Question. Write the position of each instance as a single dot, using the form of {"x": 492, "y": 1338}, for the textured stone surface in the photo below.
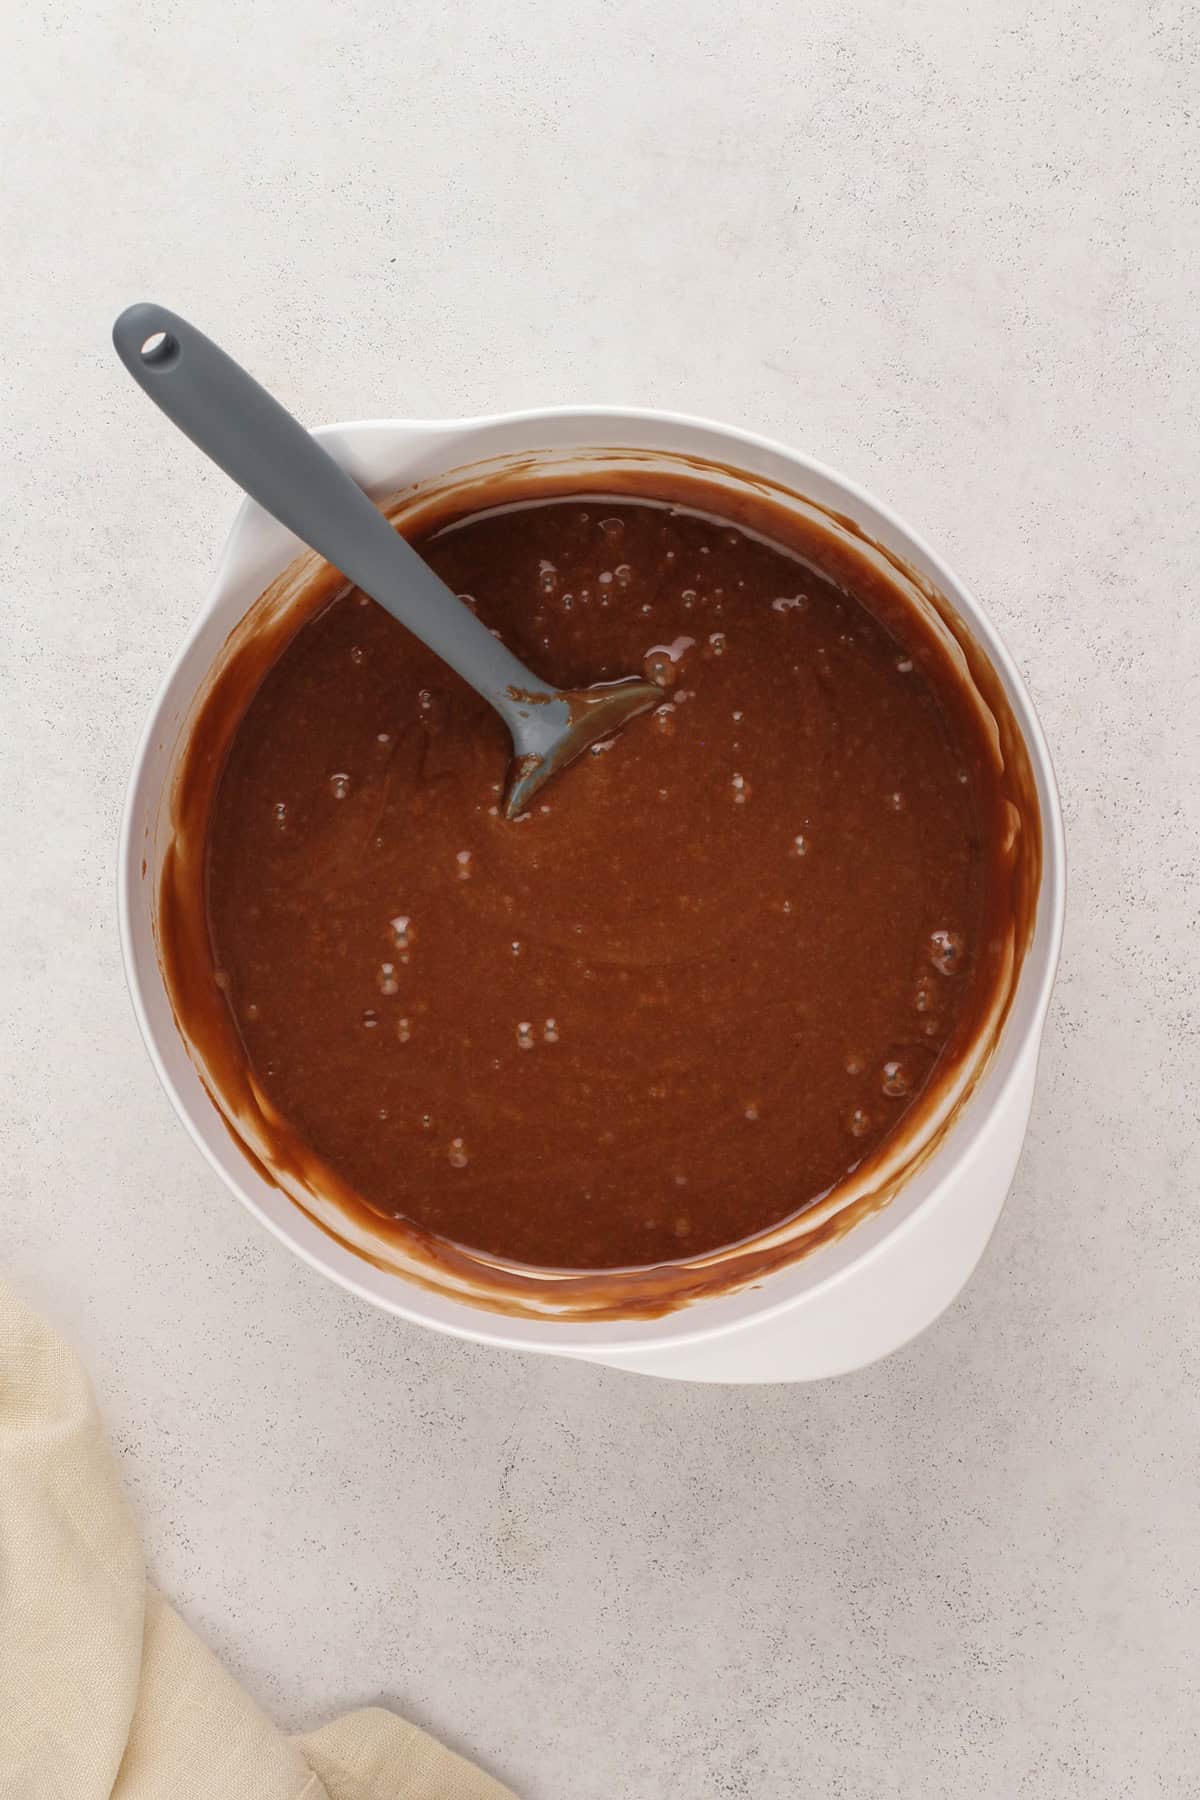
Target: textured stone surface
{"x": 944, "y": 247}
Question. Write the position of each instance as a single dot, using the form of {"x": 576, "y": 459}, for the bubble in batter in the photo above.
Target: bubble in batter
{"x": 896, "y": 1079}
{"x": 946, "y": 951}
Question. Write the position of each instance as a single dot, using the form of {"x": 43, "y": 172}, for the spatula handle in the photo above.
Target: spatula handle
{"x": 246, "y": 432}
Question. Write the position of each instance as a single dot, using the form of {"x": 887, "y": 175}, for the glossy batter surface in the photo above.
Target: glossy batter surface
{"x": 685, "y": 995}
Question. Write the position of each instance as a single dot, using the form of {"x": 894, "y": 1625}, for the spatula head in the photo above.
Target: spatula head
{"x": 574, "y": 720}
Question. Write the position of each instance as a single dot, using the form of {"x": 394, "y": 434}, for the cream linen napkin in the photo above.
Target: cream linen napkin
{"x": 104, "y": 1691}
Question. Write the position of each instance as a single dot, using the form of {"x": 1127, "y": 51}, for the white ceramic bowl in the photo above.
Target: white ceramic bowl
{"x": 843, "y": 1305}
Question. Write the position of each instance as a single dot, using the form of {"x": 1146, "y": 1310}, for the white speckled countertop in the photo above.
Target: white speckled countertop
{"x": 943, "y": 247}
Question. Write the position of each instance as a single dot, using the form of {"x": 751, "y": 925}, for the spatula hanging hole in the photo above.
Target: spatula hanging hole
{"x": 160, "y": 350}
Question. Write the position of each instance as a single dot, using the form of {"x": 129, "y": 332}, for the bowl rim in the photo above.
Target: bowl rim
{"x": 844, "y": 1258}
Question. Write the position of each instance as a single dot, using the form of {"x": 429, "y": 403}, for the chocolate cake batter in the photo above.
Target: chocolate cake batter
{"x": 694, "y": 987}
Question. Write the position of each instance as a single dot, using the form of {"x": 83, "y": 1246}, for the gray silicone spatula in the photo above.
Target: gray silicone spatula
{"x": 269, "y": 454}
